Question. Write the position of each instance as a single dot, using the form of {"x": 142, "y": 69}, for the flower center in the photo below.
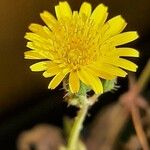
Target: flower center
{"x": 76, "y": 42}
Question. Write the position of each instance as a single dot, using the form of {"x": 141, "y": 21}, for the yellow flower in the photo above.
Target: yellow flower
{"x": 80, "y": 46}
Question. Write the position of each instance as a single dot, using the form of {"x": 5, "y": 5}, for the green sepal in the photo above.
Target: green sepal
{"x": 83, "y": 89}
{"x": 109, "y": 85}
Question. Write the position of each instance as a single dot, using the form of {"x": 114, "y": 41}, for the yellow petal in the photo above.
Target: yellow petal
{"x": 91, "y": 80}
{"x": 123, "y": 63}
{"x": 63, "y": 10}
{"x": 48, "y": 32}
{"x": 126, "y": 64}
{"x": 94, "y": 81}
{"x": 58, "y": 12}
{"x": 106, "y": 76}
{"x": 114, "y": 26}
{"x": 39, "y": 29}
{"x": 57, "y": 79}
{"x": 85, "y": 9}
{"x": 99, "y": 14}
{"x": 41, "y": 50}
{"x": 40, "y": 66}
{"x": 98, "y": 87}
{"x": 52, "y": 70}
{"x": 49, "y": 19}
{"x": 110, "y": 69}
{"x": 33, "y": 55}
{"x": 123, "y": 38}
{"x": 46, "y": 54}
{"x": 127, "y": 52}
{"x": 35, "y": 27}
{"x": 50, "y": 74}
{"x": 74, "y": 82}
{"x": 102, "y": 74}
{"x": 36, "y": 38}
{"x": 32, "y": 36}
{"x": 82, "y": 77}
{"x": 38, "y": 46}
{"x": 31, "y": 45}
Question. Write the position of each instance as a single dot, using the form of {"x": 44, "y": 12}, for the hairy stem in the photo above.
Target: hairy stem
{"x": 77, "y": 126}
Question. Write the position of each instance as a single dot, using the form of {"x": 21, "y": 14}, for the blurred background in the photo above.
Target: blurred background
{"x": 24, "y": 98}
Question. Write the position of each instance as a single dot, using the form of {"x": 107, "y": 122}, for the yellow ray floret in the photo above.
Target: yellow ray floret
{"x": 81, "y": 46}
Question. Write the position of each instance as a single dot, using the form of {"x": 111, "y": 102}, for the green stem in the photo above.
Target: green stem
{"x": 77, "y": 126}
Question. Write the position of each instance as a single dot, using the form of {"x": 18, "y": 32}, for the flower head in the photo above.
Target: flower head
{"x": 80, "y": 46}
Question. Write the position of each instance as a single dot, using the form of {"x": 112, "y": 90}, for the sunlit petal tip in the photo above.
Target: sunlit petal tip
{"x": 121, "y": 19}
{"x": 99, "y": 14}
{"x": 123, "y": 38}
{"x": 48, "y": 19}
{"x": 25, "y": 56}
{"x": 57, "y": 11}
{"x": 31, "y": 26}
{"x": 49, "y": 87}
{"x": 63, "y": 10}
{"x": 44, "y": 13}
{"x": 136, "y": 34}
{"x": 30, "y": 36}
{"x": 26, "y": 36}
{"x": 34, "y": 27}
{"x": 28, "y": 44}
{"x": 126, "y": 64}
{"x": 85, "y": 9}
{"x": 103, "y": 6}
{"x": 125, "y": 75}
{"x": 32, "y": 55}
{"x": 45, "y": 74}
{"x": 136, "y": 67}
{"x": 99, "y": 91}
{"x": 86, "y": 4}
{"x": 109, "y": 29}
{"x": 64, "y": 3}
{"x": 137, "y": 54}
{"x": 127, "y": 52}
{"x": 31, "y": 68}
